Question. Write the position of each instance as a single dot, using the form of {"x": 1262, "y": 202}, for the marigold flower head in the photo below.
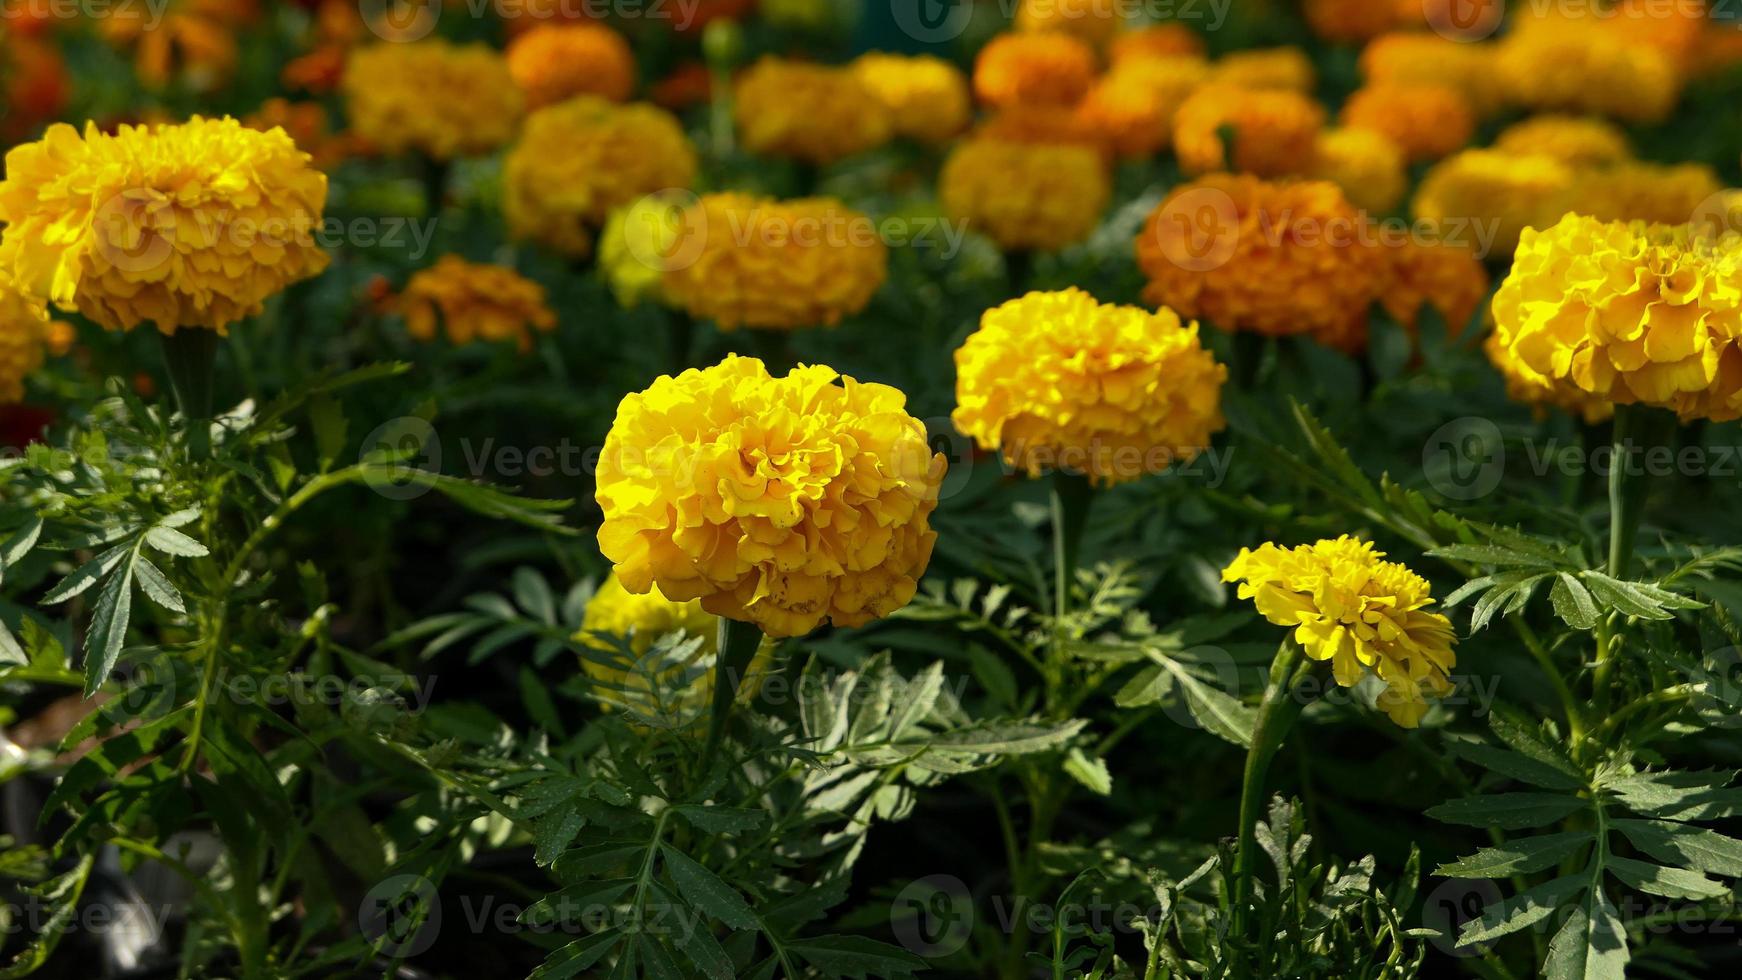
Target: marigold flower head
{"x": 1042, "y": 125}
{"x": 1055, "y": 380}
{"x": 189, "y": 225}
{"x": 638, "y": 242}
{"x": 1446, "y": 276}
{"x": 1170, "y": 39}
{"x": 1288, "y": 69}
{"x": 1364, "y": 615}
{"x": 1429, "y": 59}
{"x": 1530, "y": 388}
{"x": 1628, "y": 312}
{"x": 1503, "y": 192}
{"x": 190, "y": 40}
{"x": 1096, "y": 22}
{"x": 1658, "y": 193}
{"x": 785, "y": 502}
{"x": 474, "y": 301}
{"x": 556, "y": 61}
{"x": 775, "y": 265}
{"x": 1133, "y": 105}
{"x": 1349, "y": 21}
{"x": 578, "y": 160}
{"x": 1427, "y": 121}
{"x": 440, "y": 99}
{"x": 1274, "y": 130}
{"x": 1025, "y": 196}
{"x": 815, "y": 113}
{"x": 1034, "y": 69}
{"x": 24, "y": 333}
{"x": 927, "y": 97}
{"x": 1225, "y": 248}
{"x": 1369, "y": 168}
{"x": 1577, "y": 141}
{"x": 1580, "y": 65}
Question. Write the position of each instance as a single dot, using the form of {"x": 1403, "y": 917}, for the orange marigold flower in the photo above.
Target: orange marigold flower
{"x": 1429, "y": 59}
{"x": 689, "y": 84}
{"x": 1578, "y": 141}
{"x": 1427, "y": 121}
{"x": 815, "y": 113}
{"x": 34, "y": 79}
{"x": 1094, "y": 21}
{"x": 1034, "y": 69}
{"x": 1166, "y": 40}
{"x": 1349, "y": 21}
{"x": 1268, "y": 68}
{"x": 190, "y": 40}
{"x": 1038, "y": 125}
{"x": 1369, "y": 168}
{"x": 774, "y": 265}
{"x": 1025, "y": 196}
{"x": 437, "y": 98}
{"x": 1445, "y": 276}
{"x": 1501, "y": 193}
{"x": 1133, "y": 105}
{"x": 474, "y": 301}
{"x": 320, "y": 71}
{"x": 1460, "y": 21}
{"x": 1274, "y": 130}
{"x": 553, "y": 62}
{"x": 1632, "y": 191}
{"x": 927, "y": 97}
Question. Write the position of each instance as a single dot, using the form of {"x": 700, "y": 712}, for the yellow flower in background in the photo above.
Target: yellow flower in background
{"x": 927, "y": 97}
{"x": 1034, "y": 69}
{"x": 440, "y": 99}
{"x": 1274, "y": 130}
{"x": 1427, "y": 121}
{"x": 1348, "y": 21}
{"x": 557, "y": 61}
{"x": 1223, "y": 249}
{"x": 24, "y": 334}
{"x": 474, "y": 301}
{"x": 1530, "y": 388}
{"x": 1287, "y": 69}
{"x": 1133, "y": 105}
{"x": 785, "y": 502}
{"x": 1577, "y": 141}
{"x": 1369, "y": 168}
{"x": 1025, "y": 196}
{"x": 1656, "y": 193}
{"x": 638, "y": 242}
{"x": 1501, "y": 192}
{"x": 1094, "y": 21}
{"x": 1628, "y": 312}
{"x": 1580, "y": 64}
{"x": 814, "y": 113}
{"x": 1426, "y": 58}
{"x": 190, "y": 225}
{"x": 1170, "y": 39}
{"x": 1058, "y": 381}
{"x": 1345, "y": 604}
{"x": 576, "y": 161}
{"x": 746, "y": 261}
{"x": 1449, "y": 277}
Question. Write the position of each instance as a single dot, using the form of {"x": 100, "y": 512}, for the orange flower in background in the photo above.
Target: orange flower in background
{"x": 1034, "y": 69}
{"x": 1094, "y": 21}
{"x": 1428, "y": 59}
{"x": 474, "y": 301}
{"x": 1581, "y": 64}
{"x": 1676, "y": 29}
{"x": 1167, "y": 40}
{"x": 1446, "y": 276}
{"x": 320, "y": 71}
{"x": 1025, "y": 196}
{"x": 1427, "y": 121}
{"x": 689, "y": 84}
{"x": 1038, "y": 125}
{"x": 1578, "y": 141}
{"x": 1369, "y": 168}
{"x": 552, "y": 62}
{"x": 1349, "y": 21}
{"x": 190, "y": 40}
{"x": 815, "y": 113}
{"x": 1133, "y": 106}
{"x": 1272, "y": 68}
{"x": 35, "y": 81}
{"x": 1274, "y": 130}
{"x": 307, "y": 124}
{"x": 927, "y": 97}
{"x": 443, "y": 100}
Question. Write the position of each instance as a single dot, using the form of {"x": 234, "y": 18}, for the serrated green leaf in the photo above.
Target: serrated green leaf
{"x": 1522, "y": 911}
{"x": 1681, "y": 844}
{"x": 108, "y": 630}
{"x": 1655, "y": 879}
{"x": 855, "y": 956}
{"x": 1517, "y": 857}
{"x": 157, "y": 586}
{"x": 87, "y": 575}
{"x": 172, "y": 542}
{"x": 1679, "y": 795}
{"x": 720, "y": 819}
{"x": 1516, "y": 765}
{"x": 1591, "y": 944}
{"x": 1573, "y": 602}
{"x": 1508, "y": 811}
{"x": 706, "y": 891}
{"x": 1092, "y": 772}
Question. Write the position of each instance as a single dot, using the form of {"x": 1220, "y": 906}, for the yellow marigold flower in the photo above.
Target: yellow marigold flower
{"x": 1166, "y": 40}
{"x": 578, "y": 160}
{"x": 1427, "y": 121}
{"x": 927, "y": 97}
{"x": 1041, "y": 125}
{"x": 1288, "y": 69}
{"x": 1025, "y": 196}
{"x": 1274, "y": 130}
{"x": 1429, "y": 59}
{"x": 24, "y": 331}
{"x": 190, "y": 225}
{"x": 1348, "y": 21}
{"x": 1133, "y": 105}
{"x": 1057, "y": 381}
{"x": 785, "y": 502}
{"x": 1529, "y": 388}
{"x": 638, "y": 244}
{"x": 1629, "y": 313}
{"x": 1577, "y": 141}
{"x": 1504, "y": 192}
{"x": 1224, "y": 248}
{"x": 474, "y": 301}
{"x": 556, "y": 61}
{"x": 1448, "y": 277}
{"x": 775, "y": 265}
{"x": 437, "y": 98}
{"x": 1579, "y": 65}
{"x": 1645, "y": 191}
{"x": 1034, "y": 69}
{"x": 1094, "y": 21}
{"x": 815, "y": 113}
{"x": 1368, "y": 167}
{"x": 1362, "y": 614}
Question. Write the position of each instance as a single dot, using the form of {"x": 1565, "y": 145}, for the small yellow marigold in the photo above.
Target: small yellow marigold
{"x": 1446, "y": 276}
{"x": 1577, "y": 141}
{"x": 1427, "y": 121}
{"x": 1170, "y": 39}
{"x": 747, "y": 261}
{"x": 559, "y": 60}
{"x": 474, "y": 301}
{"x": 1650, "y": 192}
{"x": 927, "y": 97}
{"x": 1034, "y": 69}
{"x": 578, "y": 160}
{"x": 1094, "y": 21}
{"x": 1274, "y": 130}
{"x": 1288, "y": 69}
{"x": 1580, "y": 65}
{"x": 189, "y": 225}
{"x": 1025, "y": 196}
{"x": 814, "y": 113}
{"x": 24, "y": 333}
{"x": 1349, "y": 21}
{"x": 1057, "y": 381}
{"x": 1369, "y": 168}
{"x": 1274, "y": 258}
{"x": 1530, "y": 388}
{"x": 1428, "y": 59}
{"x": 785, "y": 502}
{"x": 440, "y": 99}
{"x": 1361, "y": 613}
{"x": 1629, "y": 313}
{"x": 1133, "y": 105}
{"x": 1502, "y": 193}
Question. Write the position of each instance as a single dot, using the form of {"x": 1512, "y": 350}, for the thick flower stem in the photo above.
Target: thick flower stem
{"x": 1276, "y": 715}
{"x": 1071, "y": 496}
{"x": 1638, "y": 430}
{"x": 738, "y": 644}
{"x": 189, "y": 354}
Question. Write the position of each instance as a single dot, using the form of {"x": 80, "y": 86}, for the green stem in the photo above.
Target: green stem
{"x": 1248, "y": 357}
{"x": 1072, "y": 494}
{"x": 1276, "y": 715}
{"x": 738, "y": 643}
{"x": 1638, "y": 430}
{"x": 189, "y": 354}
